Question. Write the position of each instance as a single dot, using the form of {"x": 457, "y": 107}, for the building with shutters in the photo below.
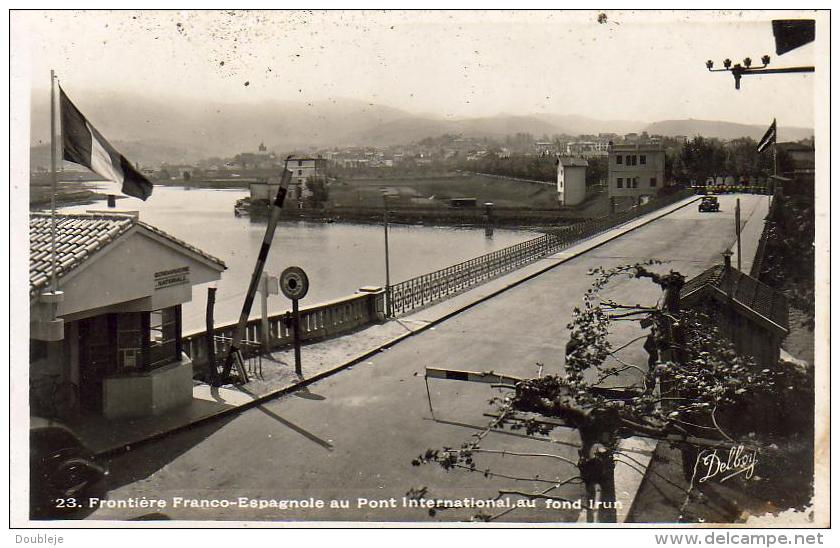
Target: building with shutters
{"x": 636, "y": 171}
{"x": 304, "y": 169}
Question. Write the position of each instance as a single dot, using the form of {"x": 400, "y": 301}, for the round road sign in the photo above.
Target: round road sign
{"x": 293, "y": 283}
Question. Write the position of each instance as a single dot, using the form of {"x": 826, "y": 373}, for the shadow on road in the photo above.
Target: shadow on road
{"x": 307, "y": 395}
{"x": 141, "y": 462}
{"x": 305, "y": 433}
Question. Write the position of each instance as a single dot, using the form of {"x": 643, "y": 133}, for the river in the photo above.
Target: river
{"x": 339, "y": 258}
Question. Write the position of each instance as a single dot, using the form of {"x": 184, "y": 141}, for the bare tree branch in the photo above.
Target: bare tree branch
{"x": 504, "y": 452}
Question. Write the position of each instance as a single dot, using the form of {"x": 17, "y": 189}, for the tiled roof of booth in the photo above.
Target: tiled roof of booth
{"x": 749, "y": 292}
{"x": 78, "y": 238}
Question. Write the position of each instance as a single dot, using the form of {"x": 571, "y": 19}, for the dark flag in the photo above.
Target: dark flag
{"x": 769, "y": 137}
{"x": 85, "y": 146}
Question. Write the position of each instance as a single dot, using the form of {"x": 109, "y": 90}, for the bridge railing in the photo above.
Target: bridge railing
{"x": 732, "y": 189}
{"x": 317, "y": 322}
{"x": 761, "y": 251}
{"x": 427, "y": 289}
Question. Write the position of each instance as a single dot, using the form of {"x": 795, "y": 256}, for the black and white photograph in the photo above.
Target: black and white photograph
{"x": 412, "y": 268}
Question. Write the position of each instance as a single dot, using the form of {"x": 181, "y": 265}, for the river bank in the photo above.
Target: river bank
{"x": 476, "y": 217}
{"x": 41, "y": 197}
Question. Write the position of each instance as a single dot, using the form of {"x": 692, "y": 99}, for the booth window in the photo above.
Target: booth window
{"x": 129, "y": 341}
{"x": 164, "y": 334}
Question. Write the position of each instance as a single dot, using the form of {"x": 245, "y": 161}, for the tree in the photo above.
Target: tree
{"x": 790, "y": 253}
{"x": 597, "y": 170}
{"x": 692, "y": 378}
{"x": 784, "y": 162}
{"x": 700, "y": 159}
{"x": 318, "y": 188}
{"x": 743, "y": 158}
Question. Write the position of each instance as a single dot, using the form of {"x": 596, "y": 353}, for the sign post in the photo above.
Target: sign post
{"x": 268, "y": 286}
{"x": 295, "y": 284}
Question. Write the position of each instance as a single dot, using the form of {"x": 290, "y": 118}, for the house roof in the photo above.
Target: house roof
{"x": 78, "y": 238}
{"x": 637, "y": 147}
{"x": 763, "y": 303}
{"x": 573, "y": 162}
{"x": 305, "y": 158}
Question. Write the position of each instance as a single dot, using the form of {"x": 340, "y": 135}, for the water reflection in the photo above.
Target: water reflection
{"x": 339, "y": 258}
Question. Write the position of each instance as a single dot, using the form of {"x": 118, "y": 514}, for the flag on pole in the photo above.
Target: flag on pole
{"x": 85, "y": 146}
{"x": 769, "y": 137}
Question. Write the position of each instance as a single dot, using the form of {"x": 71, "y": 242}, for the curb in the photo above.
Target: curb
{"x": 124, "y": 447}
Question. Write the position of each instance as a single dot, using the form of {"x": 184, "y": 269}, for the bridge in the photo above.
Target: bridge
{"x": 353, "y": 435}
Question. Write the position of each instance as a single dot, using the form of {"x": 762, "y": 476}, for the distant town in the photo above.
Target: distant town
{"x": 444, "y": 168}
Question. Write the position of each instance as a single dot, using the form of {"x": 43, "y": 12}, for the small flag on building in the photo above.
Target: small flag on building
{"x": 769, "y": 137}
{"x": 85, "y": 146}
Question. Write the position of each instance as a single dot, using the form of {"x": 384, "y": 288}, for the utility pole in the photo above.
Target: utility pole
{"x": 738, "y": 229}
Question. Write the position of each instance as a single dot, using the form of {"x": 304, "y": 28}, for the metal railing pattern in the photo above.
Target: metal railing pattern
{"x": 427, "y": 289}
{"x": 761, "y": 251}
{"x": 316, "y": 322}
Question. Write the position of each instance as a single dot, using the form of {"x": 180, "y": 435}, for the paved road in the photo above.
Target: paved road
{"x": 354, "y": 435}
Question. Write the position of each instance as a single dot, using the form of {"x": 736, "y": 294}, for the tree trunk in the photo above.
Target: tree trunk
{"x": 597, "y": 468}
{"x": 212, "y": 372}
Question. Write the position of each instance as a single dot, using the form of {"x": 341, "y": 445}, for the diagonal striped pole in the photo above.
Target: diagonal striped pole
{"x": 239, "y": 334}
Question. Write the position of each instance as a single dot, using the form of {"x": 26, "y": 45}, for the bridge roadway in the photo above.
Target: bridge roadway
{"x": 354, "y": 435}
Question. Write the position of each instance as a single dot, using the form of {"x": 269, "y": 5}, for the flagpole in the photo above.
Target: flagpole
{"x": 54, "y": 181}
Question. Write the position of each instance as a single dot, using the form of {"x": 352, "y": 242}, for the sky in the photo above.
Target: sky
{"x": 640, "y": 66}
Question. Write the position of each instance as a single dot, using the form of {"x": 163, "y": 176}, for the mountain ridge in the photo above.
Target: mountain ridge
{"x": 190, "y": 130}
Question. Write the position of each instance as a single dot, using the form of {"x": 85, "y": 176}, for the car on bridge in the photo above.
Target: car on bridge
{"x": 709, "y": 203}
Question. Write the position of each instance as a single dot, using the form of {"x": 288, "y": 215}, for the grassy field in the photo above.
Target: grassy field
{"x": 436, "y": 192}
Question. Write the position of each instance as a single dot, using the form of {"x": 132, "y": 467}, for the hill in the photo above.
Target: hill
{"x": 152, "y": 130}
{"x": 724, "y": 130}
{"x": 216, "y": 128}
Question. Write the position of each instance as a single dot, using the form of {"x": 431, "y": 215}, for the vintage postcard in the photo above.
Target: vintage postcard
{"x": 482, "y": 268}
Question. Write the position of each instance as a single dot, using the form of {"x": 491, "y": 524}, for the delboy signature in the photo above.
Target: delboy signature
{"x": 739, "y": 460}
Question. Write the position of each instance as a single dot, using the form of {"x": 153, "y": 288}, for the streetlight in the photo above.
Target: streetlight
{"x": 388, "y": 309}
{"x": 745, "y": 68}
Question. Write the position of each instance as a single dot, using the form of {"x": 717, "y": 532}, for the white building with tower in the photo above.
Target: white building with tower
{"x": 571, "y": 180}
